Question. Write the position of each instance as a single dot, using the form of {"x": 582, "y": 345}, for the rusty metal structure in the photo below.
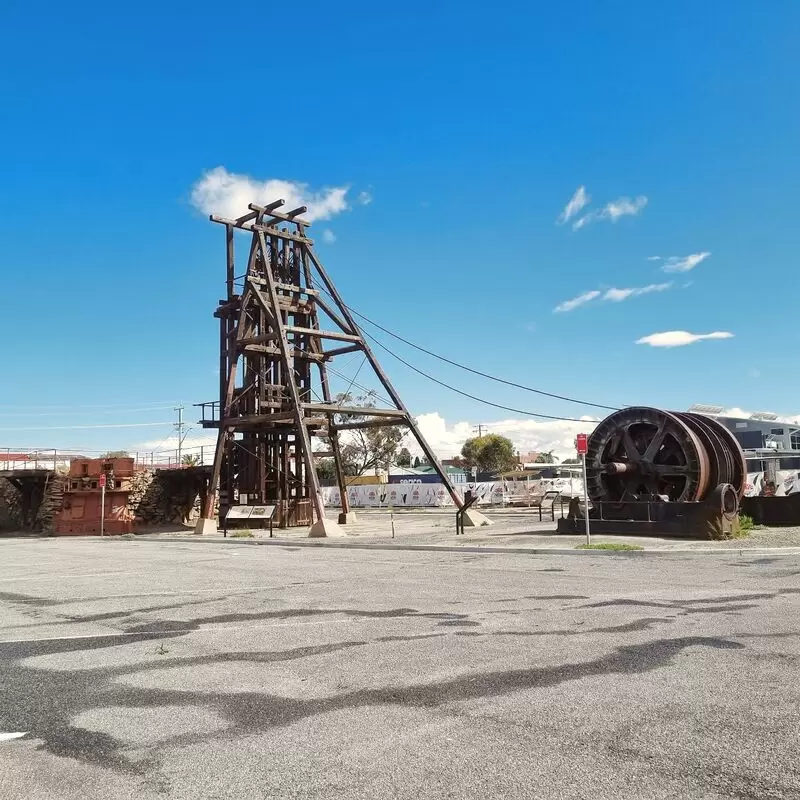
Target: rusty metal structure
{"x": 645, "y": 451}
{"x": 82, "y": 508}
{"x": 279, "y": 334}
{"x": 663, "y": 472}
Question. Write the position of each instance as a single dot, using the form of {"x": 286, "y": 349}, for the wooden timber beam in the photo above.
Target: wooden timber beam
{"x": 246, "y": 218}
{"x": 369, "y": 423}
{"x": 267, "y": 350}
{"x": 260, "y": 339}
{"x": 340, "y": 351}
{"x": 290, "y": 287}
{"x": 342, "y": 337}
{"x": 286, "y": 287}
{"x": 253, "y": 228}
{"x": 332, "y": 408}
{"x": 259, "y": 419}
{"x": 290, "y": 217}
{"x": 286, "y": 303}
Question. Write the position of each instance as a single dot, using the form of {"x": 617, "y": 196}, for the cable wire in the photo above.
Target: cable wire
{"x": 467, "y": 394}
{"x": 474, "y": 371}
{"x": 361, "y": 386}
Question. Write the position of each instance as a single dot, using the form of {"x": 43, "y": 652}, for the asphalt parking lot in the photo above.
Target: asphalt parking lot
{"x": 145, "y": 669}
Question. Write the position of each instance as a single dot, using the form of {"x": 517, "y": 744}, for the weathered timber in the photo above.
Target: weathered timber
{"x": 273, "y": 368}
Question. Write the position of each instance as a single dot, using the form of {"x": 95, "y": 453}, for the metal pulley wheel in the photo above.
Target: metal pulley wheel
{"x": 640, "y": 453}
{"x": 727, "y": 459}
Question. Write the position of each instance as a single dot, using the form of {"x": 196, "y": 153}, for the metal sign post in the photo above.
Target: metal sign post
{"x": 582, "y": 445}
{"x": 102, "y": 482}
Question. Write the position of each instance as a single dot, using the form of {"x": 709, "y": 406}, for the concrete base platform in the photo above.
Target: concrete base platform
{"x": 325, "y": 527}
{"x": 474, "y": 519}
{"x": 206, "y": 527}
{"x": 347, "y": 518}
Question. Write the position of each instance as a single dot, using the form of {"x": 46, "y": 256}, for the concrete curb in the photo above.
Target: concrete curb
{"x": 444, "y": 548}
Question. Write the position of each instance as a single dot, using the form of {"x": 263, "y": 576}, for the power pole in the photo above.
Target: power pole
{"x": 179, "y": 427}
{"x": 479, "y": 428}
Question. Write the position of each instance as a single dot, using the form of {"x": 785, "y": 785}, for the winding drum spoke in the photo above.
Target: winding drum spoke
{"x": 630, "y": 446}
{"x": 672, "y": 469}
{"x": 656, "y": 442}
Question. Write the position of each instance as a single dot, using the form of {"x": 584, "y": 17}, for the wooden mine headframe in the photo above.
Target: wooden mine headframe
{"x": 274, "y": 389}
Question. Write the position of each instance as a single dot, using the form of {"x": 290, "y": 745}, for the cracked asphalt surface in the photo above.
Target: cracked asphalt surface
{"x": 142, "y": 669}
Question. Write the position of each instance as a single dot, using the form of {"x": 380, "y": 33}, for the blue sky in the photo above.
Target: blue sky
{"x": 470, "y": 126}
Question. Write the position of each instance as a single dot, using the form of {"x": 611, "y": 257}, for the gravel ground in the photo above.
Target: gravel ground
{"x": 510, "y": 528}
{"x": 151, "y": 670}
{"x": 764, "y": 537}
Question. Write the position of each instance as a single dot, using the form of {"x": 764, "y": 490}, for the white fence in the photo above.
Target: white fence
{"x": 500, "y": 493}
{"x": 434, "y": 495}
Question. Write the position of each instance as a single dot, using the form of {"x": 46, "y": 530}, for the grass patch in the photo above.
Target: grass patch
{"x": 243, "y": 534}
{"x": 617, "y": 546}
{"x": 746, "y": 525}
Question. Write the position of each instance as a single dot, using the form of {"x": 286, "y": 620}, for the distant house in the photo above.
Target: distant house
{"x": 426, "y": 474}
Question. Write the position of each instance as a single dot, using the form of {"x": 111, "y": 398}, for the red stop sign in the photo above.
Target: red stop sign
{"x": 102, "y": 482}
{"x": 581, "y": 444}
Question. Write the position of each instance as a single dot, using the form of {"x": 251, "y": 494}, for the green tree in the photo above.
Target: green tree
{"x": 490, "y": 453}
{"x": 403, "y": 457}
{"x": 416, "y": 461}
{"x": 363, "y": 449}
{"x": 545, "y": 458}
{"x": 116, "y": 454}
{"x": 190, "y": 460}
{"x": 326, "y": 469}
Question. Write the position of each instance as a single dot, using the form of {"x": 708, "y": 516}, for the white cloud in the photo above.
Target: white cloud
{"x": 680, "y": 338}
{"x": 328, "y": 236}
{"x": 754, "y": 373}
{"x": 793, "y": 419}
{"x": 164, "y": 450}
{"x": 580, "y": 300}
{"x": 613, "y": 295}
{"x": 527, "y": 435}
{"x": 654, "y": 258}
{"x": 618, "y": 295}
{"x": 621, "y": 207}
{"x": 225, "y": 193}
{"x": 576, "y": 203}
{"x": 365, "y": 198}
{"x": 445, "y": 438}
{"x": 684, "y": 263}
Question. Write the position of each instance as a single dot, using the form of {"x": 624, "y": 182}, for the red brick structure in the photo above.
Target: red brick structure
{"x": 81, "y": 509}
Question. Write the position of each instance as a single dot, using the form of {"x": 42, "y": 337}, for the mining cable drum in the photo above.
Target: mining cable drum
{"x": 641, "y": 453}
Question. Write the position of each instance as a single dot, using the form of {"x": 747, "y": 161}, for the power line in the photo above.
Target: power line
{"x": 77, "y": 412}
{"x": 477, "y": 371}
{"x": 87, "y": 427}
{"x": 154, "y": 404}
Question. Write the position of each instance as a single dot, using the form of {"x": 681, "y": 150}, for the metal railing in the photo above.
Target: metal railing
{"x": 52, "y": 458}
